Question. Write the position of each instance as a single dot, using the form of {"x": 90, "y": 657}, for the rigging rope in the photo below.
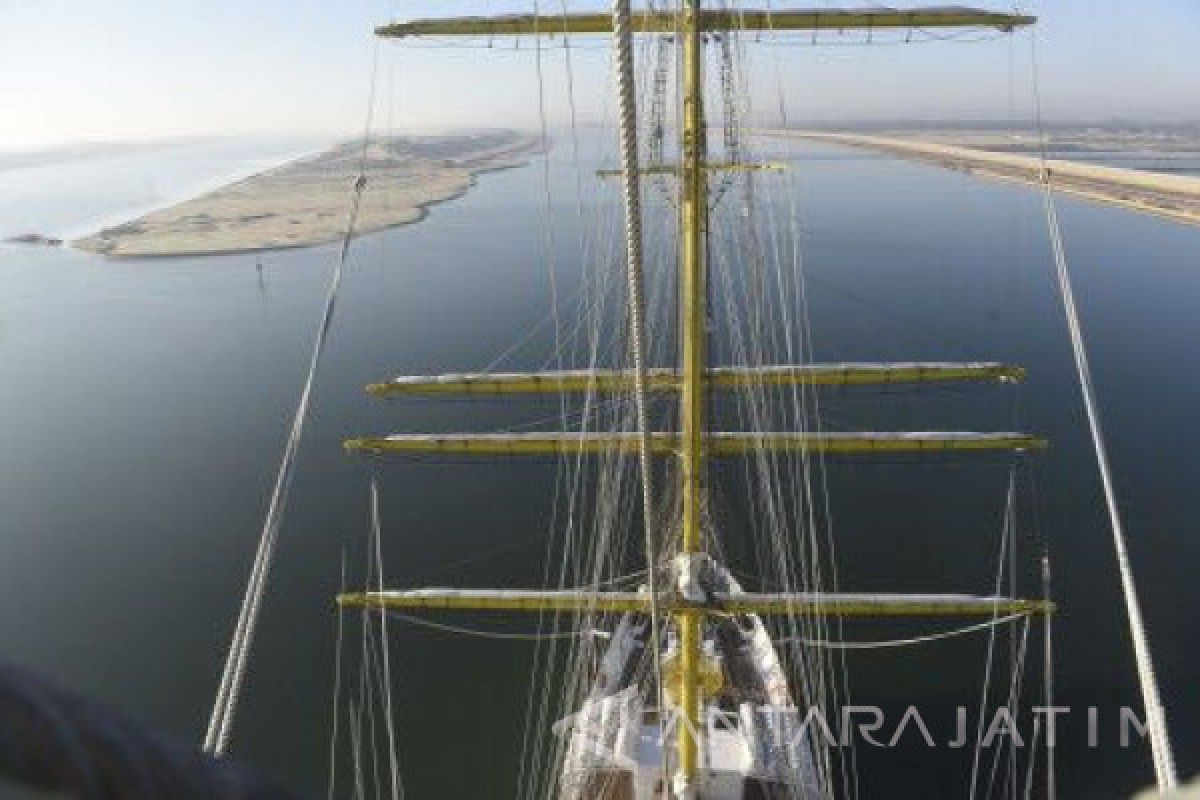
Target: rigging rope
{"x": 334, "y": 729}
{"x": 515, "y": 636}
{"x": 216, "y": 738}
{"x": 1006, "y": 543}
{"x": 631, "y": 189}
{"x": 731, "y": 138}
{"x": 1160, "y": 742}
{"x": 1048, "y": 680}
{"x": 932, "y": 637}
{"x": 657, "y": 107}
{"x": 377, "y": 536}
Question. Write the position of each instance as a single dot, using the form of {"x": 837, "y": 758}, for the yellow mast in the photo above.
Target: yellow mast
{"x": 693, "y": 214}
{"x": 693, "y": 377}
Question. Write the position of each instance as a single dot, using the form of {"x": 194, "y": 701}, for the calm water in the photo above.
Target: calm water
{"x": 144, "y": 405}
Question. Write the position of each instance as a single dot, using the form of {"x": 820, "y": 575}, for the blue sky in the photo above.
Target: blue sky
{"x": 135, "y": 69}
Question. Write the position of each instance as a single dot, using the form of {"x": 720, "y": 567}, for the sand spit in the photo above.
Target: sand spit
{"x": 306, "y": 202}
{"x": 1176, "y": 197}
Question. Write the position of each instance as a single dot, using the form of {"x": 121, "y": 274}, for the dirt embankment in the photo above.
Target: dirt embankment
{"x": 306, "y": 202}
{"x": 1173, "y": 196}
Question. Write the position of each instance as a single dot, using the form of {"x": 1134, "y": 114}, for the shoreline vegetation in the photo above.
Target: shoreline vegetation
{"x": 305, "y": 202}
{"x": 1175, "y": 197}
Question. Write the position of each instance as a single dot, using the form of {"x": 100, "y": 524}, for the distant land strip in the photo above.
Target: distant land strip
{"x": 306, "y": 202}
{"x": 1175, "y": 197}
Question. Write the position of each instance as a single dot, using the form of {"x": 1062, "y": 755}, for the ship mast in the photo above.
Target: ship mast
{"x": 691, "y": 445}
{"x": 693, "y": 314}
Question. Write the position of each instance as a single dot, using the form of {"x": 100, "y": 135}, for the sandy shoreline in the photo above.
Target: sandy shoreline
{"x": 1175, "y": 197}
{"x": 305, "y": 202}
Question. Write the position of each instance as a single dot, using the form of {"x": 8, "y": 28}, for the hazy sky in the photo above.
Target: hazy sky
{"x": 135, "y": 69}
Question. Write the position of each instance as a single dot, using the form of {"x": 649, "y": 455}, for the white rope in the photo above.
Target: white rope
{"x": 1006, "y": 535}
{"x": 1016, "y": 678}
{"x": 1160, "y": 743}
{"x": 376, "y": 534}
{"x": 356, "y": 733}
{"x": 634, "y": 256}
{"x": 216, "y": 739}
{"x": 447, "y": 628}
{"x": 220, "y": 723}
{"x": 1029, "y": 770}
{"x": 932, "y": 637}
{"x": 631, "y": 189}
{"x": 1156, "y": 724}
{"x": 1048, "y": 679}
{"x": 331, "y": 786}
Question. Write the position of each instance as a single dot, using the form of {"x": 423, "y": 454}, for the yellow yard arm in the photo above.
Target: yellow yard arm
{"x": 715, "y": 444}
{"x": 798, "y": 603}
{"x": 668, "y": 380}
{"x": 709, "y": 21}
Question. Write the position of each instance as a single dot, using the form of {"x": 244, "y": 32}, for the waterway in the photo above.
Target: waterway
{"x": 145, "y": 404}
